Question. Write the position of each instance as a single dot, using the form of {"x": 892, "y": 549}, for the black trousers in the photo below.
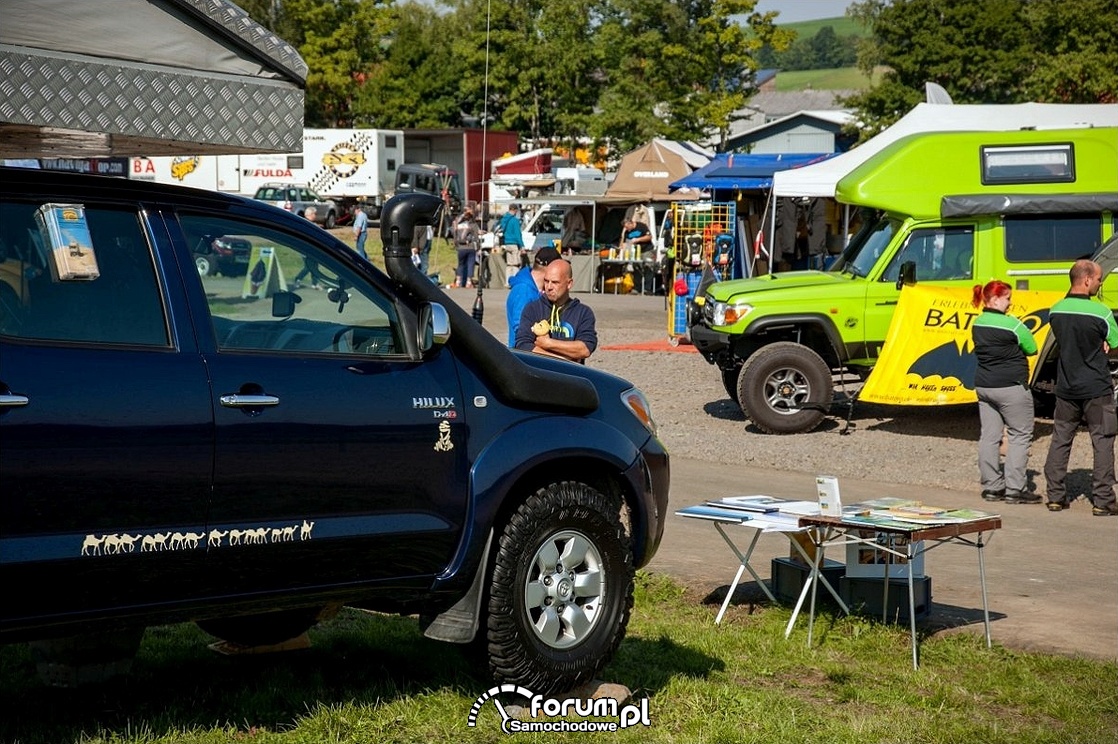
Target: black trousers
{"x": 1102, "y": 424}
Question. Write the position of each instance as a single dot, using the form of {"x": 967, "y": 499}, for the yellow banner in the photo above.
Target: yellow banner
{"x": 928, "y": 357}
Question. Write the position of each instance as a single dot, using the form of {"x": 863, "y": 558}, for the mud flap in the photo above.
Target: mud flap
{"x": 459, "y": 624}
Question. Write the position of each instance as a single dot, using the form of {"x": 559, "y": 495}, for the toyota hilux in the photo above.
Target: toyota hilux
{"x": 177, "y": 445}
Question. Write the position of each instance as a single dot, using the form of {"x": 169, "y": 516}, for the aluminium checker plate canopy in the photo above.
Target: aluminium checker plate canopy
{"x": 105, "y": 78}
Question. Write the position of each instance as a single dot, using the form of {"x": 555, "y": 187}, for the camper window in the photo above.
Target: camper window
{"x": 1060, "y": 238}
{"x": 1028, "y": 164}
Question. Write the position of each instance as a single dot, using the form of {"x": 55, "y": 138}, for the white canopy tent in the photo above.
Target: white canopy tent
{"x": 822, "y": 178}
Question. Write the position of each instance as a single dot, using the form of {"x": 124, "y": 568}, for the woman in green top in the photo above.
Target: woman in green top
{"x": 1001, "y": 343}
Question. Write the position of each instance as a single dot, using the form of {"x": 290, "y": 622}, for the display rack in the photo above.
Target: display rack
{"x": 702, "y": 235}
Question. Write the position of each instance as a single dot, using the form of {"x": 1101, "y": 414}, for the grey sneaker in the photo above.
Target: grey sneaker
{"x": 993, "y": 495}
{"x": 1022, "y": 497}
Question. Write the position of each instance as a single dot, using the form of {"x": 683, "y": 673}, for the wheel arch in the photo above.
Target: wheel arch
{"x": 814, "y": 330}
{"x": 499, "y": 490}
{"x": 592, "y": 452}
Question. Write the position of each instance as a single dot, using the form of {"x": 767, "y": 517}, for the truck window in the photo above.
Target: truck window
{"x": 122, "y": 305}
{"x": 338, "y": 312}
{"x": 866, "y": 248}
{"x": 939, "y": 254}
{"x": 1062, "y": 238}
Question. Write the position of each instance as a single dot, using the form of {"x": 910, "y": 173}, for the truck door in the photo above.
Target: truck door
{"x": 106, "y": 428}
{"x": 339, "y": 457}
{"x": 943, "y": 255}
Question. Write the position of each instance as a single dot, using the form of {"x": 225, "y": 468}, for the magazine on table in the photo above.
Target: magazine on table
{"x": 762, "y": 504}
{"x": 718, "y": 514}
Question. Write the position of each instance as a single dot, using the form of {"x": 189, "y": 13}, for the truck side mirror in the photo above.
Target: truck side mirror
{"x": 907, "y": 275}
{"x": 434, "y": 327}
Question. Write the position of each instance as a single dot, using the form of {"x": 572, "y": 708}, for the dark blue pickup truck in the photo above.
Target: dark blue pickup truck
{"x": 178, "y": 445}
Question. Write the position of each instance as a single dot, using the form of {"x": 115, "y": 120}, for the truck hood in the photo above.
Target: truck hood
{"x": 725, "y": 291}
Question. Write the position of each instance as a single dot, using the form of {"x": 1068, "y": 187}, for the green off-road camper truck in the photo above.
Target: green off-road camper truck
{"x": 949, "y": 209}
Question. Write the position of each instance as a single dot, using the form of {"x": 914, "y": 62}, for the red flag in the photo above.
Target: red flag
{"x": 759, "y": 245}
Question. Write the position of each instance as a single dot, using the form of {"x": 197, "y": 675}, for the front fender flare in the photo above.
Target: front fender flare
{"x": 822, "y": 322}
{"x": 527, "y": 447}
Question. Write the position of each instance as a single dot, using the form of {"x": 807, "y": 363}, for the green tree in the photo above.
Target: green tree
{"x": 985, "y": 51}
{"x": 800, "y": 55}
{"x": 678, "y": 69}
{"x": 339, "y": 40}
{"x": 416, "y": 83}
{"x": 1074, "y": 54}
{"x": 829, "y": 50}
{"x": 620, "y": 71}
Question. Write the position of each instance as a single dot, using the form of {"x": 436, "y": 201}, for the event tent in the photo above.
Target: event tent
{"x": 101, "y": 78}
{"x": 645, "y": 174}
{"x": 822, "y": 178}
{"x": 741, "y": 172}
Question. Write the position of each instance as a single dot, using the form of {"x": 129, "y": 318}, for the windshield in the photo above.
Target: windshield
{"x": 866, "y": 247}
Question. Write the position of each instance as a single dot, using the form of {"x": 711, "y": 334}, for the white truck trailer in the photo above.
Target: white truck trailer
{"x": 346, "y": 165}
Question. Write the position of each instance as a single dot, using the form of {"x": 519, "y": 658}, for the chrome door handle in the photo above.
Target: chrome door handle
{"x": 11, "y": 400}
{"x": 249, "y": 401}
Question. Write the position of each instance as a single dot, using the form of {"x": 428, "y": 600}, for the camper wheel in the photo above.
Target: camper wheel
{"x": 785, "y": 388}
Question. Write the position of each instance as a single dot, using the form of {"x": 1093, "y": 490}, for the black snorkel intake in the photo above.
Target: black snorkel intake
{"x": 514, "y": 382}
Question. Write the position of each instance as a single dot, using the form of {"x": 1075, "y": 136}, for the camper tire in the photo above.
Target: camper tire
{"x": 561, "y": 589}
{"x": 785, "y": 388}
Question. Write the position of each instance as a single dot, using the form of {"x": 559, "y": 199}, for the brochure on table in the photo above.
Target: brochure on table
{"x": 863, "y": 559}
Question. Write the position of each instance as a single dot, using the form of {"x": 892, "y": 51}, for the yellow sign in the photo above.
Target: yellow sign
{"x": 265, "y": 276}
{"x": 928, "y": 357}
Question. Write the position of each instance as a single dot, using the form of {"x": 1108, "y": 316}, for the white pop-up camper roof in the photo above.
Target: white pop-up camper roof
{"x": 822, "y": 178}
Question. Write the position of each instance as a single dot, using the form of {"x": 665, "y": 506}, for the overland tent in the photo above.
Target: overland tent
{"x": 101, "y": 78}
{"x": 822, "y": 178}
{"x": 645, "y": 174}
{"x": 738, "y": 172}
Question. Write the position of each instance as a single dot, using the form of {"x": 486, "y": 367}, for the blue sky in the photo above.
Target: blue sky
{"x": 804, "y": 10}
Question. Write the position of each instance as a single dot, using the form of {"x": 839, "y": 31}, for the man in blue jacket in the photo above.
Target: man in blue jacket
{"x": 1085, "y": 332}
{"x": 507, "y": 256}
{"x": 556, "y": 324}
{"x": 526, "y": 286}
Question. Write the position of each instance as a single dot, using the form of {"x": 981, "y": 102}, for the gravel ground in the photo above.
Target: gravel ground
{"x": 916, "y": 446}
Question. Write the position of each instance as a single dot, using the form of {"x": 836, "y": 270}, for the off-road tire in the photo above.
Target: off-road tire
{"x": 264, "y": 629}
{"x": 331, "y": 220}
{"x": 730, "y": 380}
{"x": 540, "y": 633}
{"x": 785, "y": 388}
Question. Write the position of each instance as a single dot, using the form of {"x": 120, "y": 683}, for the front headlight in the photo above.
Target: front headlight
{"x": 726, "y": 313}
{"x": 635, "y": 401}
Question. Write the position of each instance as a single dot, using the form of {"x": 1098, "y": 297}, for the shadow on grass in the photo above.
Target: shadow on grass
{"x": 178, "y": 684}
{"x": 749, "y": 596}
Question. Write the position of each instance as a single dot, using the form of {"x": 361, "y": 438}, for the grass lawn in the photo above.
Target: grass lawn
{"x": 841, "y": 78}
{"x": 374, "y": 678}
{"x": 842, "y": 26}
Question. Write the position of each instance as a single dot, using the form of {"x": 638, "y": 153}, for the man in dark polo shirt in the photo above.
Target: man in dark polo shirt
{"x": 1086, "y": 332}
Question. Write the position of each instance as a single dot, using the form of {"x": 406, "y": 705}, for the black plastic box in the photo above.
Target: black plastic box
{"x": 863, "y": 596}
{"x": 788, "y": 577}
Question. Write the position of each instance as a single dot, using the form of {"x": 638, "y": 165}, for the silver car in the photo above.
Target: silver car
{"x": 296, "y": 198}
